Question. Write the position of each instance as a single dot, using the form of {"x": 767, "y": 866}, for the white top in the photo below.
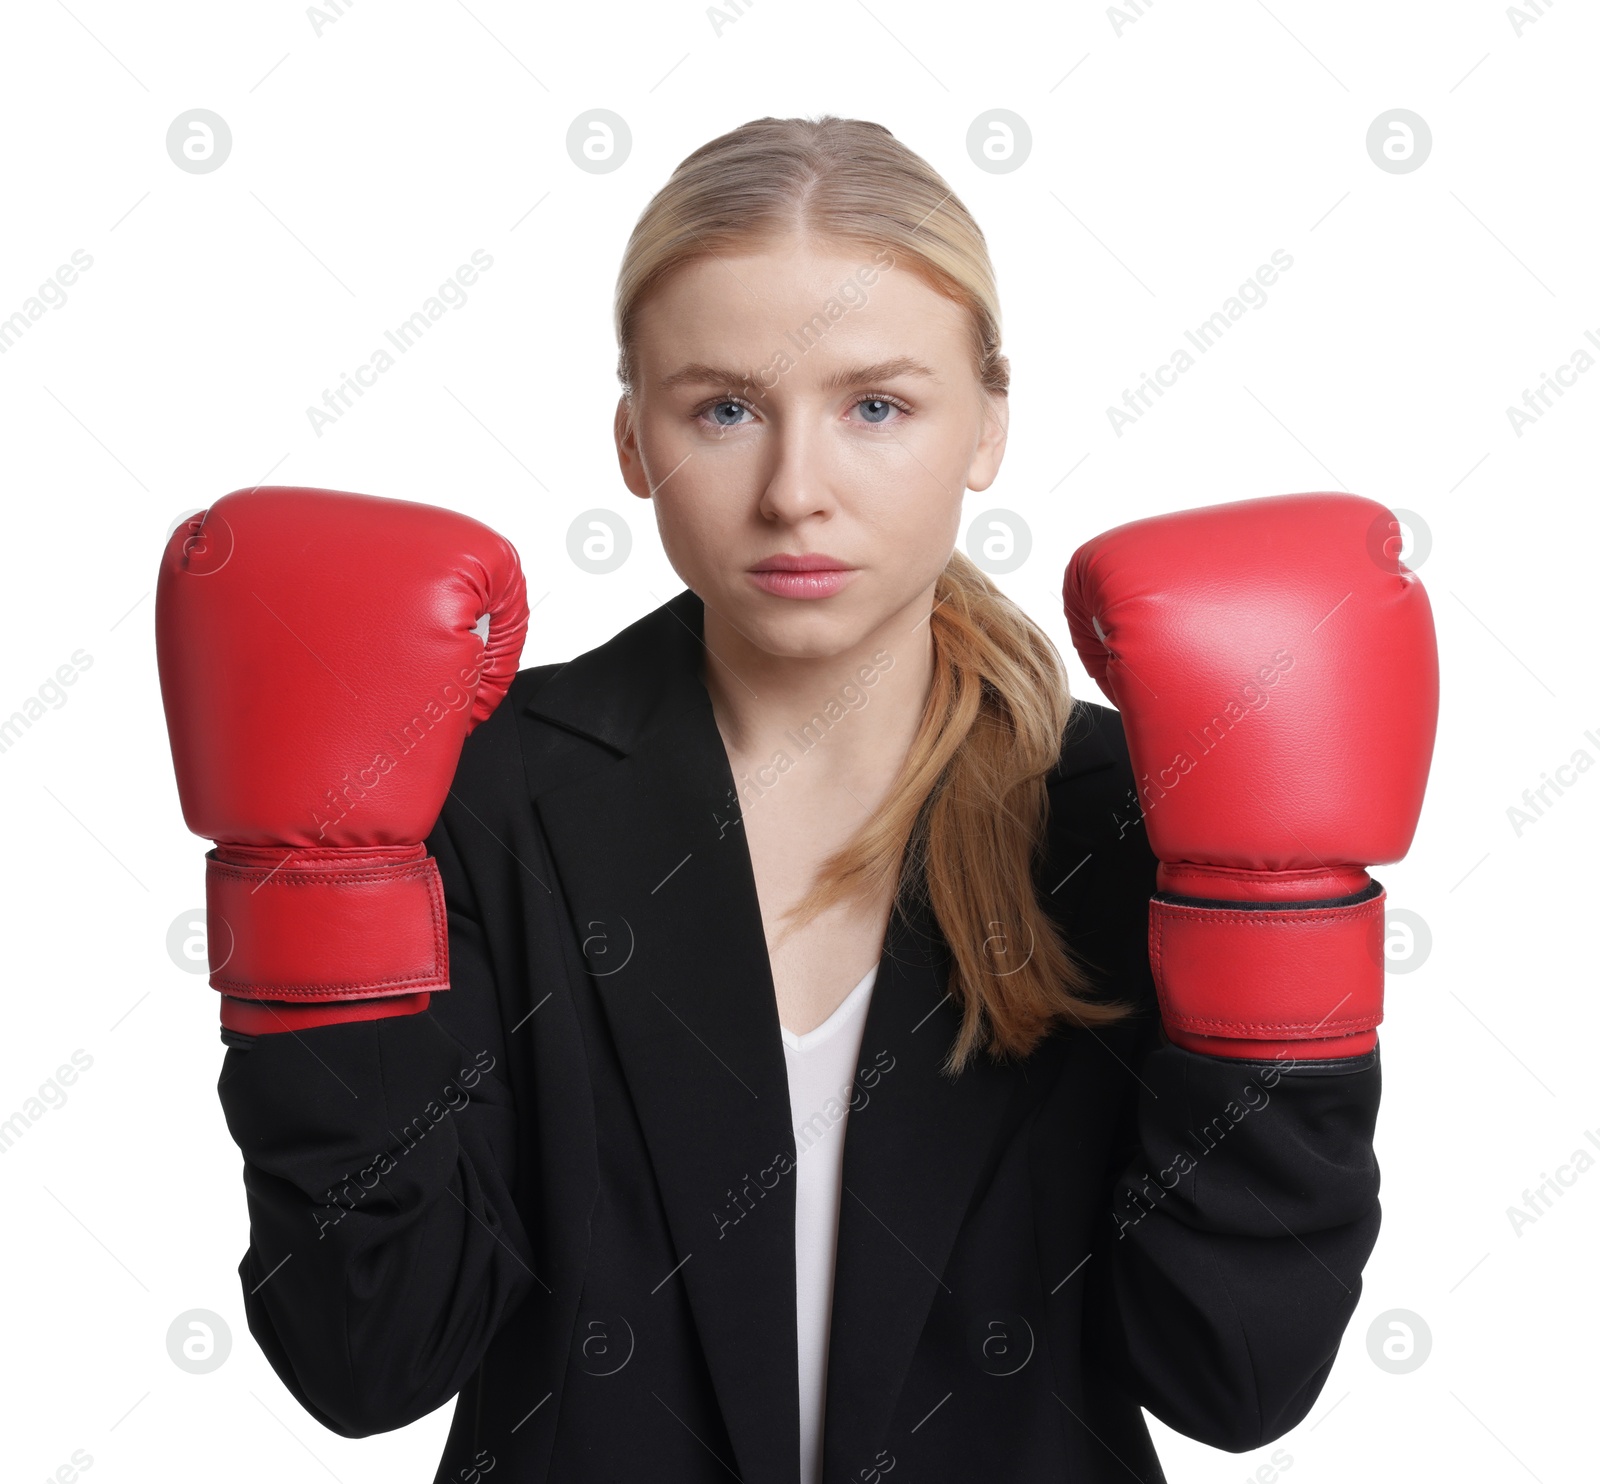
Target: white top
{"x": 822, "y": 1067}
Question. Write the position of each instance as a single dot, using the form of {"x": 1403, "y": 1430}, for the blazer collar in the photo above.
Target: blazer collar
{"x": 613, "y": 692}
{"x": 652, "y": 856}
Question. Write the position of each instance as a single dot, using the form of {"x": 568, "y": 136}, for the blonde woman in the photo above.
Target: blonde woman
{"x": 795, "y": 1040}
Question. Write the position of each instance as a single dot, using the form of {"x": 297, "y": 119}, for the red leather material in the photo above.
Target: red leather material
{"x": 323, "y": 657}
{"x": 320, "y": 666}
{"x": 1276, "y": 670}
{"x": 1290, "y": 974}
{"x": 1272, "y": 654}
{"x": 1228, "y": 883}
{"x": 269, "y": 1017}
{"x": 330, "y": 924}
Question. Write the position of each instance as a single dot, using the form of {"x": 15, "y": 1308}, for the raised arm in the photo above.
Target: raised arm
{"x": 1274, "y": 667}
{"x": 323, "y": 658}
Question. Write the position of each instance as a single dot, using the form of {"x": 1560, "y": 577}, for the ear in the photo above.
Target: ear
{"x": 628, "y": 456}
{"x": 991, "y": 445}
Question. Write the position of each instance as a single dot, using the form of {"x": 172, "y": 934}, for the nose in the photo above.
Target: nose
{"x": 798, "y": 482}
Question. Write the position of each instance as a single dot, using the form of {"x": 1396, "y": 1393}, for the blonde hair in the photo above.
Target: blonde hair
{"x": 964, "y": 823}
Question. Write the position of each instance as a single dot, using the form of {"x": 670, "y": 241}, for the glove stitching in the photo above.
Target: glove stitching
{"x": 1260, "y": 918}
{"x": 1187, "y": 1021}
{"x": 435, "y": 976}
{"x": 355, "y": 876}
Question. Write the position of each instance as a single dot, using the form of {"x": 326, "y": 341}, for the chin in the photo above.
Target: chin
{"x": 802, "y": 630}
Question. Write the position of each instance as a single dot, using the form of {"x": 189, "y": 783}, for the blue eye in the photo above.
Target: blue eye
{"x": 717, "y": 407}
{"x": 726, "y": 412}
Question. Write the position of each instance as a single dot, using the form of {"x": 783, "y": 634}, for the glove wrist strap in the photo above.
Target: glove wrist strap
{"x": 309, "y": 925}
{"x": 1248, "y": 980}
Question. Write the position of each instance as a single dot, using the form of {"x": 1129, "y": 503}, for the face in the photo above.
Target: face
{"x": 803, "y": 400}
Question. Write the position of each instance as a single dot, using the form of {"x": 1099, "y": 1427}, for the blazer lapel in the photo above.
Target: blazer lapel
{"x": 657, "y": 876}
{"x": 652, "y": 854}
{"x": 915, "y": 1145}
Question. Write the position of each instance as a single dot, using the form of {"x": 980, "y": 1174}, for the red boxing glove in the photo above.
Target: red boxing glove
{"x": 322, "y": 660}
{"x": 1276, "y": 671}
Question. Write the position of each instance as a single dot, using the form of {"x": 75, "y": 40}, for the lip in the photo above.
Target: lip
{"x": 812, "y": 561}
{"x": 806, "y": 575}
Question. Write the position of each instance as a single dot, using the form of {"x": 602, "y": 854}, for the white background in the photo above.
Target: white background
{"x": 1172, "y": 152}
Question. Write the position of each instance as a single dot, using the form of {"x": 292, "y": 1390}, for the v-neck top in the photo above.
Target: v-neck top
{"x": 822, "y": 1067}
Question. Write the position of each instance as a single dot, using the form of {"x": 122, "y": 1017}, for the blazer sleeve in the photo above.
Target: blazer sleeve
{"x": 379, "y": 1160}
{"x": 1243, "y": 1195}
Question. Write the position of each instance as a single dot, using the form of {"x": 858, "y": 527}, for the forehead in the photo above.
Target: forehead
{"x": 819, "y": 303}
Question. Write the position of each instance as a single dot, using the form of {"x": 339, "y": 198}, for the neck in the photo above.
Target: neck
{"x": 847, "y": 718}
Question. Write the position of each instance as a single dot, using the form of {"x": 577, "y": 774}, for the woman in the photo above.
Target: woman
{"x": 819, "y": 848}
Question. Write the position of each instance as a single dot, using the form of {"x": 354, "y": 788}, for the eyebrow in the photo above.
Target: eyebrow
{"x": 698, "y": 373}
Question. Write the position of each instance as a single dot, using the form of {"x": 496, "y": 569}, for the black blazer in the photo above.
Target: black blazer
{"x": 565, "y": 1191}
